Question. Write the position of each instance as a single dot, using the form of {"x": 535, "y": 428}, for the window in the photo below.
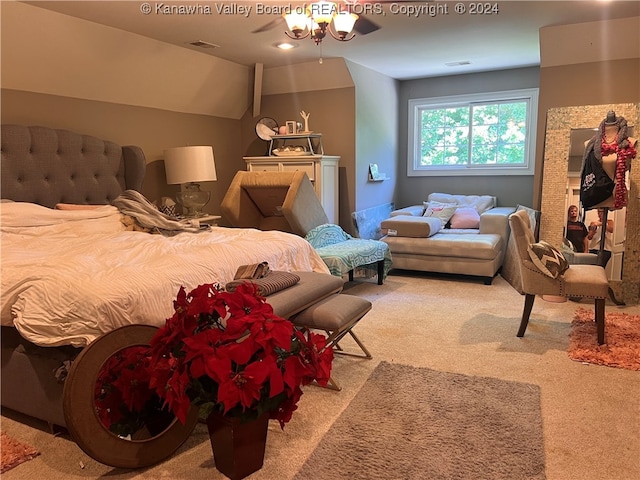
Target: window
{"x": 481, "y": 134}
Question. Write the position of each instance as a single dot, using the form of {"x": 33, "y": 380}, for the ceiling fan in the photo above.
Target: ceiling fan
{"x": 362, "y": 26}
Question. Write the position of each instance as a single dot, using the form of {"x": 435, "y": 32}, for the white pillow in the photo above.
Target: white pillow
{"x": 443, "y": 211}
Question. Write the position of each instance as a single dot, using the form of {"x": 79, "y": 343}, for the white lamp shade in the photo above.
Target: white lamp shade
{"x": 322, "y": 11}
{"x": 344, "y": 21}
{"x": 297, "y": 20}
{"x": 189, "y": 164}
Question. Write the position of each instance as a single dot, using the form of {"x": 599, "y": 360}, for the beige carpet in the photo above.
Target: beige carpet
{"x": 622, "y": 347}
{"x": 589, "y": 412}
{"x": 409, "y": 422}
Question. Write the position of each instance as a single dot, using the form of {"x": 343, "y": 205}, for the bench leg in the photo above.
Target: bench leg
{"x": 380, "y": 271}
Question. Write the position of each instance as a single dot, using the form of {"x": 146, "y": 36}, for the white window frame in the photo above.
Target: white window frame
{"x": 530, "y": 95}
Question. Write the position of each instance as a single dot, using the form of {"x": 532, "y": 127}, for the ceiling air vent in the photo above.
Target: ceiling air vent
{"x": 203, "y": 44}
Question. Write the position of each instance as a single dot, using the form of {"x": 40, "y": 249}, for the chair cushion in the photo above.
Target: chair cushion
{"x": 585, "y": 281}
{"x": 548, "y": 259}
{"x": 345, "y": 256}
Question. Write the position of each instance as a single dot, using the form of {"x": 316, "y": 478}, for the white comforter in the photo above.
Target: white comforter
{"x": 70, "y": 276}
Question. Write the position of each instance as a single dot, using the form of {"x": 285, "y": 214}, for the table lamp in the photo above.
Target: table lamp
{"x": 187, "y": 166}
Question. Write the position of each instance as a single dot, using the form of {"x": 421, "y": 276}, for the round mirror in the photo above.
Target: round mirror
{"x": 124, "y": 403}
{"x": 114, "y": 424}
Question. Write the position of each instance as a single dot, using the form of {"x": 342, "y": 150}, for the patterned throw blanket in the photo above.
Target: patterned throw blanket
{"x": 144, "y": 216}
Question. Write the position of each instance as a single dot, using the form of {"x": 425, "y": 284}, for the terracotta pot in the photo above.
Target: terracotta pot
{"x": 238, "y": 447}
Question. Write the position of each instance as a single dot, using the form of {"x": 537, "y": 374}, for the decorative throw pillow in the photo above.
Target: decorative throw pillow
{"x": 443, "y": 211}
{"x": 548, "y": 259}
{"x": 465, "y": 217}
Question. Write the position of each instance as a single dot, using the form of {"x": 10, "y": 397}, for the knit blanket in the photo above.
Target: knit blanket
{"x": 148, "y": 218}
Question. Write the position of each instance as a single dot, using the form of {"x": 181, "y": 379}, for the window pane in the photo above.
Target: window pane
{"x": 498, "y": 134}
{"x": 474, "y": 134}
{"x": 444, "y": 136}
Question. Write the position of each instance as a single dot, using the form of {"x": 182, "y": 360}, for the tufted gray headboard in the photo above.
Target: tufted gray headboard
{"x": 47, "y": 166}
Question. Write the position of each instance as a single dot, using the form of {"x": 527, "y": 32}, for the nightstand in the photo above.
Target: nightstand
{"x": 210, "y": 219}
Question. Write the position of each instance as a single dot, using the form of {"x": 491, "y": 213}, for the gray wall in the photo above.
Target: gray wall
{"x": 151, "y": 129}
{"x": 510, "y": 190}
{"x": 376, "y": 135}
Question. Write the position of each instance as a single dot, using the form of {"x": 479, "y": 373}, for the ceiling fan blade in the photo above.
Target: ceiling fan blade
{"x": 363, "y": 25}
{"x": 269, "y": 26}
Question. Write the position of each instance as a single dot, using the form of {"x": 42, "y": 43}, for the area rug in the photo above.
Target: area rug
{"x": 415, "y": 423}
{"x": 13, "y": 452}
{"x": 622, "y": 337}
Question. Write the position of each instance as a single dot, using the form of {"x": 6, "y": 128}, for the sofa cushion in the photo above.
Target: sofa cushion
{"x": 480, "y": 202}
{"x": 548, "y": 259}
{"x": 312, "y": 287}
{"x": 407, "y": 226}
{"x": 481, "y": 246}
{"x": 465, "y": 217}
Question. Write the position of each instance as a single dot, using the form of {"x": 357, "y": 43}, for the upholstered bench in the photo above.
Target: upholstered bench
{"x": 336, "y": 315}
{"x": 311, "y": 288}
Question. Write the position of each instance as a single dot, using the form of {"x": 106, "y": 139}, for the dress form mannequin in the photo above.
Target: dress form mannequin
{"x": 615, "y": 149}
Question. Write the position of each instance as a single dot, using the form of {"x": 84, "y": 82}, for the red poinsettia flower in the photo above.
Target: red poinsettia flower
{"x": 224, "y": 348}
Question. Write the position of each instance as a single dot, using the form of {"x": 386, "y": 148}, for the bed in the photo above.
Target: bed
{"x": 70, "y": 275}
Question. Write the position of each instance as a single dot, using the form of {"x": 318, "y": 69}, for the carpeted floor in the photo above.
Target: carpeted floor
{"x": 408, "y": 423}
{"x": 442, "y": 323}
{"x": 14, "y": 452}
{"x": 622, "y": 347}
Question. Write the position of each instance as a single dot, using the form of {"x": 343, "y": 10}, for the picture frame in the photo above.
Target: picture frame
{"x": 292, "y": 127}
{"x": 374, "y": 174}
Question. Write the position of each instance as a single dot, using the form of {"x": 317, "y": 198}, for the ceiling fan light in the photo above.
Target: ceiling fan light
{"x": 297, "y": 22}
{"x": 323, "y": 12}
{"x": 344, "y": 22}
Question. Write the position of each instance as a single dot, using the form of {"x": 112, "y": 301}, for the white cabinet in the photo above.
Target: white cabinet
{"x": 322, "y": 170}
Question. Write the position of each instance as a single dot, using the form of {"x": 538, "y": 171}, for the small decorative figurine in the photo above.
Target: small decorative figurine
{"x": 305, "y": 116}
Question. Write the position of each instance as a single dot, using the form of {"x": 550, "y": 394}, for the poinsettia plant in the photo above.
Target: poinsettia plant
{"x": 123, "y": 400}
{"x": 229, "y": 351}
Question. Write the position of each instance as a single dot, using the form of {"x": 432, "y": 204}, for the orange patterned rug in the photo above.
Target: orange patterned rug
{"x": 13, "y": 452}
{"x": 622, "y": 348}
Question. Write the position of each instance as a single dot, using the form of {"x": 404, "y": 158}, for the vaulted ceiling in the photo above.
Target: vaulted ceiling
{"x": 415, "y": 39}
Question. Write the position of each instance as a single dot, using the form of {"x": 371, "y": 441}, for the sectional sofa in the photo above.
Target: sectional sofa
{"x": 459, "y": 234}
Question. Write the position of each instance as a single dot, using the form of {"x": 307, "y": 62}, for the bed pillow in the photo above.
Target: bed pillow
{"x": 548, "y": 259}
{"x": 443, "y": 211}
{"x": 407, "y": 226}
{"x": 465, "y": 217}
{"x": 76, "y": 206}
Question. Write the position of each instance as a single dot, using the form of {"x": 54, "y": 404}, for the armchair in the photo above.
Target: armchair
{"x": 578, "y": 281}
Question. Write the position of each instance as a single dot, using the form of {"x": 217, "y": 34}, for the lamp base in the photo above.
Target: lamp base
{"x": 193, "y": 200}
